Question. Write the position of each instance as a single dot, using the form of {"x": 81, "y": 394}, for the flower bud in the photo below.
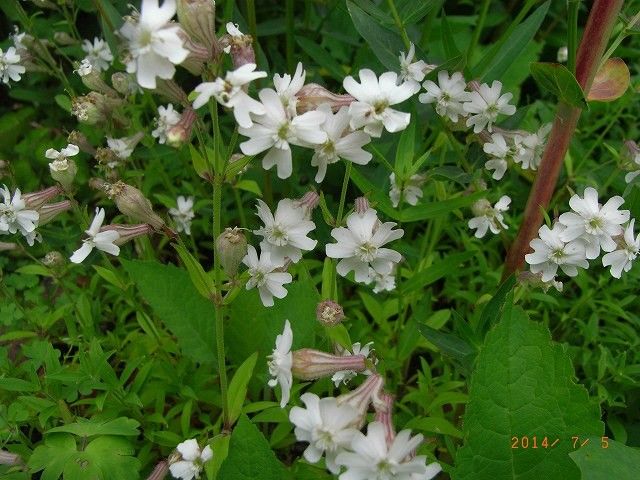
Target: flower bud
{"x": 53, "y": 259}
{"x": 63, "y": 171}
{"x": 172, "y": 92}
{"x": 128, "y": 232}
{"x": 312, "y": 95}
{"x": 231, "y": 246}
{"x": 11, "y": 459}
{"x": 240, "y": 46}
{"x": 95, "y": 108}
{"x": 198, "y": 55}
{"x": 180, "y": 133}
{"x": 49, "y": 212}
{"x": 92, "y": 79}
{"x": 309, "y": 364}
{"x": 308, "y": 202}
{"x": 360, "y": 398}
{"x": 132, "y": 203}
{"x": 6, "y": 246}
{"x": 35, "y": 200}
{"x": 630, "y": 151}
{"x": 79, "y": 139}
{"x": 481, "y": 207}
{"x": 160, "y": 471}
{"x": 197, "y": 18}
{"x": 361, "y": 205}
{"x": 64, "y": 39}
{"x": 124, "y": 83}
{"x": 329, "y": 313}
{"x": 384, "y": 413}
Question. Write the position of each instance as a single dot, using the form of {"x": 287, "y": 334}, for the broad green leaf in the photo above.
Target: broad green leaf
{"x": 220, "y": 447}
{"x": 250, "y": 456}
{"x": 558, "y": 80}
{"x": 176, "y": 302}
{"x": 495, "y": 62}
{"x": 203, "y": 282}
{"x": 238, "y": 386}
{"x": 523, "y": 385}
{"x": 615, "y": 461}
{"x": 435, "y": 272}
{"x": 88, "y": 428}
{"x": 321, "y": 57}
{"x": 610, "y": 82}
{"x": 385, "y": 44}
{"x": 491, "y": 311}
{"x": 249, "y": 186}
{"x": 449, "y": 344}
{"x": 17, "y": 385}
{"x": 110, "y": 276}
{"x": 52, "y": 456}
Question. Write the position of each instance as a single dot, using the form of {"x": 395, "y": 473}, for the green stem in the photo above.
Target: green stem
{"x": 399, "y": 24}
{"x": 241, "y": 214}
{"x": 621, "y": 36}
{"x": 251, "y": 19}
{"x": 572, "y": 34}
{"x": 479, "y": 26}
{"x": 343, "y": 192}
{"x": 290, "y": 32}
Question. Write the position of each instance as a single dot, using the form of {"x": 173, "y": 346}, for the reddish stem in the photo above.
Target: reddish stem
{"x": 594, "y": 42}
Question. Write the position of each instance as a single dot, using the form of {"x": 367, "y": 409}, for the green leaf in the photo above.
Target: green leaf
{"x": 176, "y": 302}
{"x": 250, "y": 456}
{"x": 88, "y": 428}
{"x": 451, "y": 50}
{"x": 435, "y": 272}
{"x": 491, "y": 311}
{"x": 17, "y": 385}
{"x": 558, "y": 80}
{"x": 616, "y": 461}
{"x": 203, "y": 282}
{"x": 451, "y": 172}
{"x": 249, "y": 186}
{"x": 321, "y": 57}
{"x": 449, "y": 344}
{"x": 406, "y": 150}
{"x": 611, "y": 81}
{"x": 497, "y": 61}
{"x": 52, "y": 456}
{"x": 110, "y": 276}
{"x": 385, "y": 44}
{"x": 434, "y": 425}
{"x": 200, "y": 164}
{"x": 238, "y": 386}
{"x": 63, "y": 102}
{"x": 523, "y": 385}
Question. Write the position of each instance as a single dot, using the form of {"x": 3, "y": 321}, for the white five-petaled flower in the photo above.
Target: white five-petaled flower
{"x": 10, "y": 68}
{"x": 155, "y": 45}
{"x": 534, "y": 147}
{"x": 326, "y": 426}
{"x": 166, "y": 119}
{"x": 593, "y": 223}
{"x": 230, "y": 93}
{"x": 622, "y": 258}
{"x": 411, "y": 71}
{"x": 344, "y": 376}
{"x": 359, "y": 246}
{"x": 485, "y": 104}
{"x": 288, "y": 86}
{"x": 123, "y": 147}
{"x": 502, "y": 152}
{"x": 383, "y": 282}
{"x": 341, "y": 142}
{"x": 448, "y": 95}
{"x": 374, "y": 98}
{"x": 60, "y": 157}
{"x": 285, "y": 231}
{"x": 15, "y": 216}
{"x": 98, "y": 53}
{"x": 183, "y": 215}
{"x": 410, "y": 190}
{"x": 488, "y": 217}
{"x": 373, "y": 459}
{"x": 193, "y": 460}
{"x": 275, "y": 131}
{"x": 104, "y": 241}
{"x": 265, "y": 275}
{"x": 280, "y": 363}
{"x": 551, "y": 252}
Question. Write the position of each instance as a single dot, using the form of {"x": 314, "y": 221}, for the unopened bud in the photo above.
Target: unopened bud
{"x": 384, "y": 413}
{"x": 91, "y": 78}
{"x": 52, "y": 210}
{"x": 64, "y": 39}
{"x": 53, "y": 259}
{"x": 35, "y": 200}
{"x": 481, "y": 207}
{"x": 329, "y": 313}
{"x": 128, "y": 232}
{"x": 64, "y": 171}
{"x": 79, "y": 139}
{"x": 11, "y": 459}
{"x": 160, "y": 471}
{"x": 180, "y": 133}
{"x": 197, "y": 18}
{"x": 132, "y": 203}
{"x": 312, "y": 95}
{"x": 231, "y": 246}
{"x": 630, "y": 151}
{"x": 171, "y": 91}
{"x": 360, "y": 398}
{"x": 124, "y": 83}
{"x": 198, "y": 55}
{"x": 308, "y": 202}
{"x": 309, "y": 364}
{"x": 361, "y": 205}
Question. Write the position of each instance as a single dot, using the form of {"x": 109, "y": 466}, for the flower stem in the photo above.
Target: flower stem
{"x": 343, "y": 192}
{"x": 399, "y": 24}
{"x": 479, "y": 26}
{"x": 594, "y": 42}
{"x": 290, "y": 38}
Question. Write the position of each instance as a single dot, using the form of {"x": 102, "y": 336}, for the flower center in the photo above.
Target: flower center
{"x": 380, "y": 106}
{"x": 277, "y": 236}
{"x": 367, "y": 252}
{"x": 557, "y": 256}
{"x": 594, "y": 225}
{"x": 145, "y": 39}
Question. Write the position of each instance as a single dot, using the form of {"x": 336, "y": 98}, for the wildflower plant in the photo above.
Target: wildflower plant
{"x": 317, "y": 239}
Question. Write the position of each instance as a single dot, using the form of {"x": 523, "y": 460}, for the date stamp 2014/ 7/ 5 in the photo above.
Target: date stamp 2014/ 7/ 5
{"x": 546, "y": 442}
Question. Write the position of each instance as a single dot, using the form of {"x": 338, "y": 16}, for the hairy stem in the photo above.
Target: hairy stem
{"x": 594, "y": 42}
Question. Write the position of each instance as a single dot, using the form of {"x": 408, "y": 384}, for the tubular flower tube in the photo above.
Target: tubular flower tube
{"x": 309, "y": 364}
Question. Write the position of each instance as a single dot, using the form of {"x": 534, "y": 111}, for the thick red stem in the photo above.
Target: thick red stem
{"x": 594, "y": 42}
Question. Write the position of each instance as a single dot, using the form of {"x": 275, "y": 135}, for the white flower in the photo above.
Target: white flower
{"x": 10, "y": 69}
{"x": 344, "y": 376}
{"x": 85, "y": 68}
{"x": 410, "y": 190}
{"x": 233, "y": 30}
{"x": 635, "y": 162}
{"x": 325, "y": 425}
{"x": 341, "y": 142}
{"x": 230, "y": 93}
{"x": 593, "y": 223}
{"x": 183, "y": 214}
{"x": 123, "y": 147}
{"x": 622, "y": 258}
{"x": 285, "y": 231}
{"x": 155, "y": 45}
{"x": 488, "y": 217}
{"x": 383, "y": 282}
{"x": 502, "y": 152}
{"x": 98, "y": 54}
{"x": 69, "y": 151}
{"x": 551, "y": 252}
{"x": 563, "y": 54}
{"x": 411, "y": 71}
{"x": 193, "y": 460}
{"x": 360, "y": 245}
{"x": 19, "y": 38}
{"x": 264, "y": 275}
{"x": 280, "y": 363}
{"x": 486, "y": 104}
{"x": 373, "y": 459}
{"x": 287, "y": 87}
{"x": 534, "y": 144}
{"x": 448, "y": 95}
{"x": 166, "y": 119}
{"x": 276, "y": 131}
{"x": 14, "y": 215}
{"x": 104, "y": 241}
{"x": 374, "y": 97}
